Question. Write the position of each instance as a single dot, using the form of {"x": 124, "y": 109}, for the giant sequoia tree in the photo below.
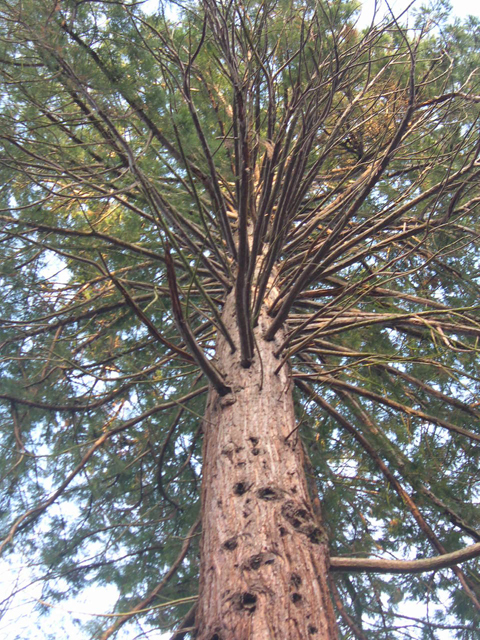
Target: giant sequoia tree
{"x": 240, "y": 316}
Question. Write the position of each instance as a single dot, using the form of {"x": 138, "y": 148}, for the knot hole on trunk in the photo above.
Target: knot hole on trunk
{"x": 270, "y": 493}
{"x": 246, "y": 601}
{"x": 239, "y": 488}
{"x": 230, "y": 544}
{"x": 295, "y": 580}
{"x": 302, "y": 520}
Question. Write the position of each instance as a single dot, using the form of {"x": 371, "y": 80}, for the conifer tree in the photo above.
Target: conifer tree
{"x": 240, "y": 315}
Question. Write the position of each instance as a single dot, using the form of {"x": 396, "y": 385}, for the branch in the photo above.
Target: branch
{"x": 444, "y": 561}
{"x": 354, "y": 628}
{"x": 205, "y": 365}
{"x": 32, "y": 514}
{"x": 448, "y": 96}
{"x": 152, "y": 329}
{"x": 335, "y": 383}
{"x": 153, "y": 594}
{"x": 186, "y": 624}
{"x": 394, "y": 483}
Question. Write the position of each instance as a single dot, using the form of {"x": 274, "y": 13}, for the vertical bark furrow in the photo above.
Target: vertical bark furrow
{"x": 264, "y": 554}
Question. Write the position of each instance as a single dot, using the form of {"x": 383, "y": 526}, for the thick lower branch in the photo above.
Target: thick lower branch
{"x": 375, "y": 565}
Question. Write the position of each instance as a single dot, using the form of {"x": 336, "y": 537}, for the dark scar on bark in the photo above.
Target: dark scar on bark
{"x": 230, "y": 544}
{"x": 246, "y": 601}
{"x": 256, "y": 561}
{"x": 240, "y": 488}
{"x": 270, "y": 493}
{"x": 295, "y": 580}
{"x": 303, "y": 521}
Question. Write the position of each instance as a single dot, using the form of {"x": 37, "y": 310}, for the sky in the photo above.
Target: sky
{"x": 461, "y": 8}
{"x": 21, "y": 624}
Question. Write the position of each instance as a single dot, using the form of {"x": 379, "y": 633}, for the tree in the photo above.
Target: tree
{"x": 232, "y": 200}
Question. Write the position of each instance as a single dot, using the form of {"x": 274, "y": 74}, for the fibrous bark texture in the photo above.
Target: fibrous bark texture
{"x": 264, "y": 557}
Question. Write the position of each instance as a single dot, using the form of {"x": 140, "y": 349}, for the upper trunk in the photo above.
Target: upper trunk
{"x": 264, "y": 556}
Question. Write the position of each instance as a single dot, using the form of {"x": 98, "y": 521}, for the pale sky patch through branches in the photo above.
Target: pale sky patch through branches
{"x": 460, "y": 8}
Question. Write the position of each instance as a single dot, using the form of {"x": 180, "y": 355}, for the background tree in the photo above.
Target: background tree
{"x": 235, "y": 197}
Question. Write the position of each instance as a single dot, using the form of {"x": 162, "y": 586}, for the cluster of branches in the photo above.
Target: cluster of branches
{"x": 152, "y": 164}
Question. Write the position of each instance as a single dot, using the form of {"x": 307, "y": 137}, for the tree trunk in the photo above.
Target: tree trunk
{"x": 264, "y": 555}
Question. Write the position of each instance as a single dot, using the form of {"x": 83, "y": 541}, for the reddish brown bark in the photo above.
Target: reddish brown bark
{"x": 264, "y": 556}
